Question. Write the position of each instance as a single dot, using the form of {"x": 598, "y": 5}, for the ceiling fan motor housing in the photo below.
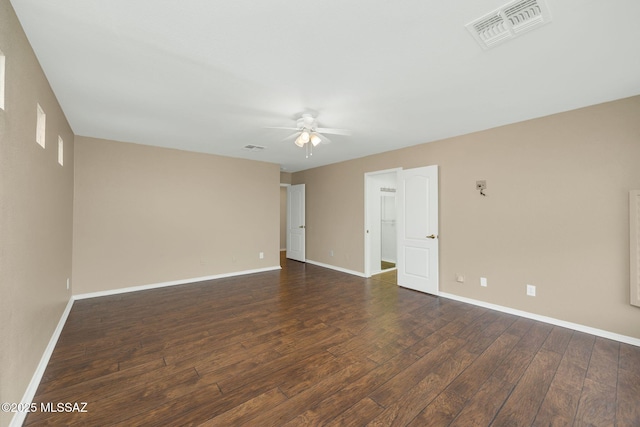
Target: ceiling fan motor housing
{"x": 306, "y": 122}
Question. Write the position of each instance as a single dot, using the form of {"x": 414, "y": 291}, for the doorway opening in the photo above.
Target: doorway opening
{"x": 283, "y": 223}
{"x": 416, "y": 212}
{"x": 388, "y": 233}
{"x": 381, "y": 252}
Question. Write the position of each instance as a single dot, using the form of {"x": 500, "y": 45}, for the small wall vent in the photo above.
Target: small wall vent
{"x": 253, "y": 147}
{"x": 509, "y": 21}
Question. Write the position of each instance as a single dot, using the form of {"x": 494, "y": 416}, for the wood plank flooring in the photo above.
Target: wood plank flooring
{"x": 311, "y": 346}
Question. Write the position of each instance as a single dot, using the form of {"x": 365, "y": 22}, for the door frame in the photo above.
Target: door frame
{"x": 368, "y": 191}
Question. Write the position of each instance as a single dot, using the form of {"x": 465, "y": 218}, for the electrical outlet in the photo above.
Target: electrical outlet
{"x": 331, "y": 252}
{"x": 261, "y": 255}
{"x": 459, "y": 278}
{"x": 531, "y": 290}
{"x": 483, "y": 282}
{"x": 68, "y": 280}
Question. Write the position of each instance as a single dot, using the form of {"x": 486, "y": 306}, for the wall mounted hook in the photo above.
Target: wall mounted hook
{"x": 481, "y": 186}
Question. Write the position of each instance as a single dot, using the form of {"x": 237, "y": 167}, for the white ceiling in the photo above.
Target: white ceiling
{"x": 211, "y": 75}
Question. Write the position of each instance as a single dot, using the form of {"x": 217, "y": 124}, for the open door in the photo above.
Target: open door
{"x": 417, "y": 197}
{"x": 296, "y": 231}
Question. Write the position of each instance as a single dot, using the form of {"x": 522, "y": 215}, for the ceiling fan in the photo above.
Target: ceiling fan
{"x": 308, "y": 134}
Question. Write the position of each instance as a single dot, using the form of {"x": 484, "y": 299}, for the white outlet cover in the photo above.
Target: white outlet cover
{"x": 483, "y": 282}
{"x": 531, "y": 290}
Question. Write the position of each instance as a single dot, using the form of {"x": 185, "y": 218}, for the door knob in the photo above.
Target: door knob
{"x": 433, "y": 236}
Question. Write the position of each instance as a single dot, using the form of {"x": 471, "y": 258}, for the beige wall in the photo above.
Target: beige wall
{"x": 147, "y": 215}
{"x": 285, "y": 178}
{"x": 36, "y": 197}
{"x": 556, "y": 214}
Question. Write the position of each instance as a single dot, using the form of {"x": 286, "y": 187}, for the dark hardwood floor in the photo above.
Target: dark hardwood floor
{"x": 312, "y": 346}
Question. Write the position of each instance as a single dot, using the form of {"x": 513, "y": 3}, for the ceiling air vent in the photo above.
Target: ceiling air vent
{"x": 509, "y": 21}
{"x": 253, "y": 147}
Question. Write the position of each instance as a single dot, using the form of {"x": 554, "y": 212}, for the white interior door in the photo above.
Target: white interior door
{"x": 296, "y": 231}
{"x": 417, "y": 220}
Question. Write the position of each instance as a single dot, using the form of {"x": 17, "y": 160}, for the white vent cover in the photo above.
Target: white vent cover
{"x": 253, "y": 147}
{"x": 509, "y": 21}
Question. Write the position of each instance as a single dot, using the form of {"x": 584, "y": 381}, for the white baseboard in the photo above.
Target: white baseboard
{"x": 545, "y": 319}
{"x": 29, "y": 394}
{"x": 172, "y": 283}
{"x": 333, "y": 267}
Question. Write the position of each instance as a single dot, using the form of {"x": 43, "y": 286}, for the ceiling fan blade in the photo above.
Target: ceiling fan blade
{"x": 290, "y": 137}
{"x": 281, "y": 127}
{"x": 334, "y": 131}
{"x": 324, "y": 139}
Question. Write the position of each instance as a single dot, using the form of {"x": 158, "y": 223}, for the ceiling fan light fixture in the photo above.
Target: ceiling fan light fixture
{"x": 315, "y": 139}
{"x": 304, "y": 137}
{"x": 308, "y": 135}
